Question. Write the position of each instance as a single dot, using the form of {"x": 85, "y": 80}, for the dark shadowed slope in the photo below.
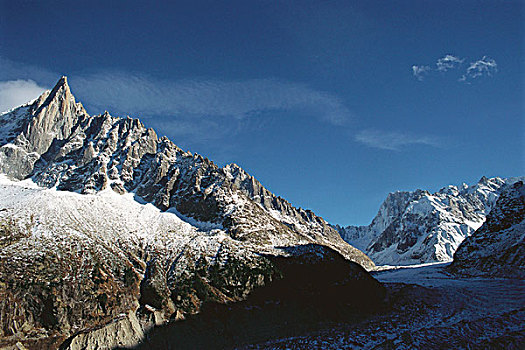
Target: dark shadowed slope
{"x": 498, "y": 247}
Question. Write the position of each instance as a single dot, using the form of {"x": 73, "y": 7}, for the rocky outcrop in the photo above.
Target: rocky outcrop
{"x": 315, "y": 286}
{"x": 49, "y": 120}
{"x": 498, "y": 247}
{"x": 122, "y": 332}
{"x": 51, "y": 290}
{"x": 125, "y": 223}
{"x": 301, "y": 220}
{"x": 421, "y": 227}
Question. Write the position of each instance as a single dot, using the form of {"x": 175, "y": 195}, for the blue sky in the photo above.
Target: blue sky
{"x": 330, "y": 104}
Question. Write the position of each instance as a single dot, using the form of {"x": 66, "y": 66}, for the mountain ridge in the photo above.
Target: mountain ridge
{"x": 85, "y": 154}
{"x": 413, "y": 227}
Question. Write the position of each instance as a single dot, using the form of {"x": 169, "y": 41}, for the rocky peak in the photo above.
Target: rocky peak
{"x": 61, "y": 90}
{"x": 509, "y": 209}
{"x": 62, "y": 146}
{"x": 53, "y": 118}
{"x": 419, "y": 226}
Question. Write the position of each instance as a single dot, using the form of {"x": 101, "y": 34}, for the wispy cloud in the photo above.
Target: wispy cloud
{"x": 483, "y": 67}
{"x": 14, "y": 93}
{"x": 141, "y": 95}
{"x": 443, "y": 64}
{"x": 392, "y": 140}
{"x": 138, "y": 95}
{"x": 420, "y": 71}
{"x": 448, "y": 62}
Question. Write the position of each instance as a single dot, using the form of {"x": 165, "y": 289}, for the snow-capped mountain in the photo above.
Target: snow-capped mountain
{"x": 55, "y": 142}
{"x": 498, "y": 247}
{"x": 107, "y": 229}
{"x": 420, "y": 227}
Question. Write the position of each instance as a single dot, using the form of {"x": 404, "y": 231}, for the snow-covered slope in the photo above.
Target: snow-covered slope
{"x": 56, "y": 143}
{"x": 421, "y": 227}
{"x": 498, "y": 247}
{"x": 72, "y": 263}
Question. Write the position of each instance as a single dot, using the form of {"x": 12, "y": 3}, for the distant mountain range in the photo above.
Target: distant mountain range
{"x": 421, "y": 227}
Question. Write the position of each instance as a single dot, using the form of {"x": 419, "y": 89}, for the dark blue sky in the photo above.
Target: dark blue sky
{"x": 330, "y": 104}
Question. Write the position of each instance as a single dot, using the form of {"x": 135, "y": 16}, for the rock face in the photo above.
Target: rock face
{"x": 498, "y": 247}
{"x": 317, "y": 286}
{"x": 56, "y": 143}
{"x": 111, "y": 221}
{"x": 420, "y": 227}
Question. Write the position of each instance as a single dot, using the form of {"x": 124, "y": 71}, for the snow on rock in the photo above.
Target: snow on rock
{"x": 100, "y": 218}
{"x": 70, "y": 263}
{"x": 498, "y": 247}
{"x": 56, "y": 143}
{"x": 421, "y": 227}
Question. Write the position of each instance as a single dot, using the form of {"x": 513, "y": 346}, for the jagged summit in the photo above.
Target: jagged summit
{"x": 31, "y": 130}
{"x": 58, "y": 144}
{"x": 60, "y": 95}
{"x": 420, "y": 227}
{"x": 61, "y": 85}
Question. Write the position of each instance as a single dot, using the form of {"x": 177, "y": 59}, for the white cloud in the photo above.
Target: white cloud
{"x": 420, "y": 71}
{"x": 14, "y": 93}
{"x": 392, "y": 140}
{"x": 448, "y": 62}
{"x": 138, "y": 95}
{"x": 485, "y": 66}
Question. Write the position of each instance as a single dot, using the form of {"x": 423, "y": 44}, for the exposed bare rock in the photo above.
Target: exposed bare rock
{"x": 498, "y": 247}
{"x": 125, "y": 332}
{"x": 316, "y": 286}
{"x": 422, "y": 227}
{"x": 61, "y": 145}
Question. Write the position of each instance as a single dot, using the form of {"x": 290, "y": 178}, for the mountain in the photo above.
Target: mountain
{"x": 56, "y": 143}
{"x": 107, "y": 229}
{"x": 421, "y": 227}
{"x": 498, "y": 247}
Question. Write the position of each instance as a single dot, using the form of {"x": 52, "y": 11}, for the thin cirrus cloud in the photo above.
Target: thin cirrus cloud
{"x": 140, "y": 95}
{"x": 485, "y": 66}
{"x": 207, "y": 98}
{"x": 198, "y": 108}
{"x": 393, "y": 140}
